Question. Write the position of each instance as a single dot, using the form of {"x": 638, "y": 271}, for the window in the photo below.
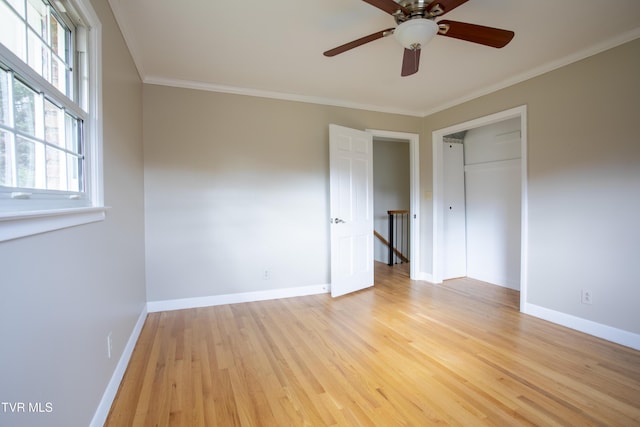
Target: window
{"x": 50, "y": 129}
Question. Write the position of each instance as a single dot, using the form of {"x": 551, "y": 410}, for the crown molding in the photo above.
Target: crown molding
{"x": 538, "y": 71}
{"x": 212, "y": 87}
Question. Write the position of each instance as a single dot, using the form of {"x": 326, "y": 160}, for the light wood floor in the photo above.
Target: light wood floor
{"x": 401, "y": 354}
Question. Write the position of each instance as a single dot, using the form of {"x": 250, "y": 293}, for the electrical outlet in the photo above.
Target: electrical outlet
{"x": 266, "y": 275}
{"x": 109, "y": 345}
{"x": 587, "y": 297}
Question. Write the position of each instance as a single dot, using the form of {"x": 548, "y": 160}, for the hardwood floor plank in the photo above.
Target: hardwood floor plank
{"x": 403, "y": 353}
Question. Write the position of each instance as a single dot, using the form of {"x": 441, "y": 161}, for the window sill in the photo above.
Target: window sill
{"x": 22, "y": 224}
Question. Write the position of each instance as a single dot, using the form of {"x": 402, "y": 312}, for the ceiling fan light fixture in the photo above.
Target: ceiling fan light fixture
{"x": 416, "y": 33}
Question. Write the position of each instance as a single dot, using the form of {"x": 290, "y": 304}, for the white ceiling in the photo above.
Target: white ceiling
{"x": 274, "y": 48}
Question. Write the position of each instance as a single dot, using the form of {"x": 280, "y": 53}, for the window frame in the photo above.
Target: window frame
{"x": 49, "y": 210}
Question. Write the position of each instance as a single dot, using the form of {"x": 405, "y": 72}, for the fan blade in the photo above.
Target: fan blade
{"x": 487, "y": 36}
{"x": 389, "y": 6}
{"x": 366, "y": 39}
{"x": 440, "y": 7}
{"x": 410, "y": 62}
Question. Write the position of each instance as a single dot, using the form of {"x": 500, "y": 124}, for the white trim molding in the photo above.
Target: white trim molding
{"x": 284, "y": 96}
{"x": 100, "y": 416}
{"x": 209, "y": 301}
{"x": 414, "y": 189}
{"x": 609, "y": 333}
{"x": 49, "y": 212}
{"x": 16, "y": 225}
{"x": 538, "y": 71}
{"x": 438, "y": 178}
{"x": 425, "y": 277}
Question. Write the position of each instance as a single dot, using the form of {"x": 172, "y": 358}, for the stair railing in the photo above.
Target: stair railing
{"x": 398, "y": 242}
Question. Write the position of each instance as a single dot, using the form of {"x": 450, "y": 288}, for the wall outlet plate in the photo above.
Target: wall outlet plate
{"x": 109, "y": 345}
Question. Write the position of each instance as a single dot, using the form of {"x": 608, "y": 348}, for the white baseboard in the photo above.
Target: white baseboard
{"x": 609, "y": 333}
{"x": 182, "y": 303}
{"x": 503, "y": 282}
{"x": 426, "y": 277}
{"x": 109, "y": 394}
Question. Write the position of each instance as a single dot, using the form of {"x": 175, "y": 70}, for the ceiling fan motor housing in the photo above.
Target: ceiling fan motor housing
{"x": 416, "y": 9}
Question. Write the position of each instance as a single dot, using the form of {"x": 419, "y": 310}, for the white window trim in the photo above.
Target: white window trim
{"x": 19, "y": 225}
{"x": 14, "y": 225}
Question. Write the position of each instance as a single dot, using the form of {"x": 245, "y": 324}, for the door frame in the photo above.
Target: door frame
{"x": 438, "y": 179}
{"x": 414, "y": 192}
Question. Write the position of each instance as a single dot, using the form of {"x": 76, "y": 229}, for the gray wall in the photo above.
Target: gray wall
{"x": 584, "y": 182}
{"x": 236, "y": 185}
{"x": 64, "y": 291}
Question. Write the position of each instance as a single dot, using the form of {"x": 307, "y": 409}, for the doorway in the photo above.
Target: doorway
{"x": 414, "y": 190}
{"x": 439, "y": 208}
{"x": 351, "y": 205}
{"x": 391, "y": 194}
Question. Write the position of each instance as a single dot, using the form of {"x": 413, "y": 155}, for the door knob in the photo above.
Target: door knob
{"x": 338, "y": 221}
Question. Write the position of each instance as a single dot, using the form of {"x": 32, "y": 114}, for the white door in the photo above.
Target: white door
{"x": 454, "y": 220}
{"x": 351, "y": 198}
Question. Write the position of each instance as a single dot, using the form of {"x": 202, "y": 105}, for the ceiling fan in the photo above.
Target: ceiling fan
{"x": 417, "y": 26}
